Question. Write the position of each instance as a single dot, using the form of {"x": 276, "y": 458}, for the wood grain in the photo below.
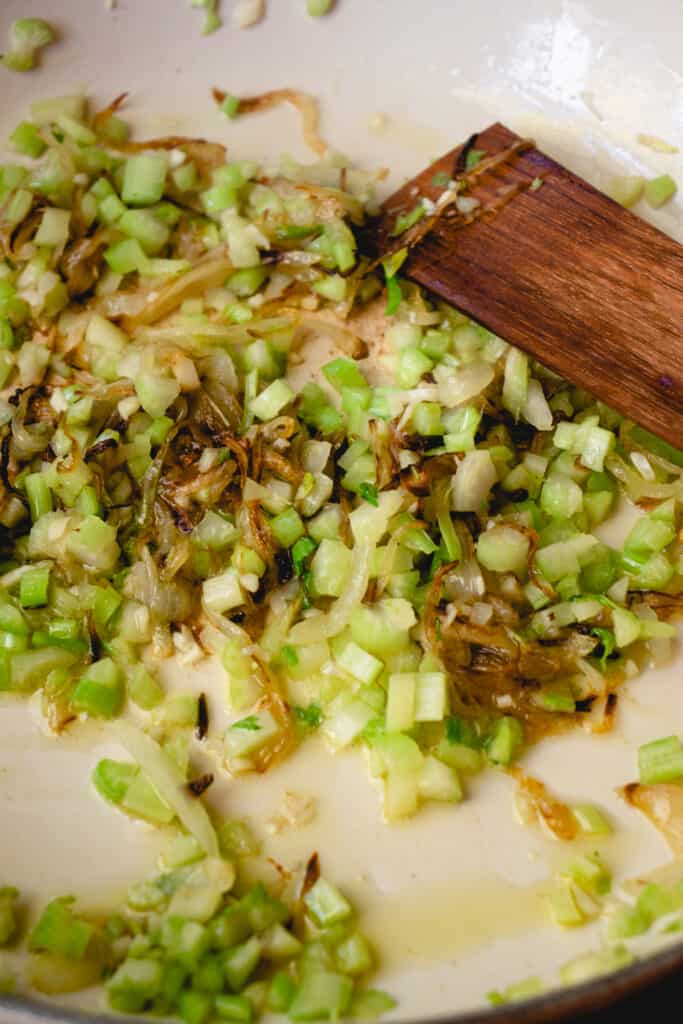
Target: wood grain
{"x": 563, "y": 272}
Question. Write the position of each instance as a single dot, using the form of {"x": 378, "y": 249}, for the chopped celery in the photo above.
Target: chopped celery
{"x": 319, "y": 8}
{"x": 504, "y": 741}
{"x": 241, "y": 962}
{"x": 59, "y": 930}
{"x": 27, "y": 37}
{"x": 321, "y": 996}
{"x": 659, "y": 191}
{"x": 144, "y": 178}
{"x": 99, "y": 692}
{"x": 591, "y": 819}
{"x": 326, "y": 904}
{"x": 660, "y": 761}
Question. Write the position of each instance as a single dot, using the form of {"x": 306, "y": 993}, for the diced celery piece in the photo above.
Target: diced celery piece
{"x": 221, "y": 593}
{"x": 111, "y": 779}
{"x": 627, "y": 627}
{"x": 591, "y": 819}
{"x": 54, "y": 228}
{"x": 142, "y": 801}
{"x": 345, "y": 720}
{"x": 439, "y": 781}
{"x": 281, "y": 992}
{"x": 592, "y": 965}
{"x": 369, "y": 1004}
{"x": 359, "y": 664}
{"x": 431, "y": 697}
{"x": 147, "y": 229}
{"x": 503, "y": 549}
{"x": 589, "y": 872}
{"x": 660, "y": 190}
{"x": 322, "y": 996}
{"x": 237, "y": 840}
{"x": 326, "y": 904}
{"x": 99, "y": 692}
{"x": 234, "y": 1008}
{"x": 660, "y": 761}
{"x": 272, "y": 400}
{"x": 241, "y": 962}
{"x": 144, "y": 178}
{"x": 625, "y": 922}
{"x": 34, "y": 588}
{"x": 279, "y": 944}
{"x": 563, "y": 907}
{"x": 505, "y": 741}
{"x": 400, "y": 710}
{"x": 287, "y": 527}
{"x": 331, "y": 563}
{"x": 134, "y": 984}
{"x": 60, "y": 931}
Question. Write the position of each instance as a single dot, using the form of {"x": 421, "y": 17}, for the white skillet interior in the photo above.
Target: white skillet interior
{"x": 452, "y": 898}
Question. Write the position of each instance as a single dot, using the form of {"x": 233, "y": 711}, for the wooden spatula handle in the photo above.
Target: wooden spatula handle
{"x": 566, "y": 274}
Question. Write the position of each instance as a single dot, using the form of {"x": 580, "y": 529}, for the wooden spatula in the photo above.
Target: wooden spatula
{"x": 555, "y": 267}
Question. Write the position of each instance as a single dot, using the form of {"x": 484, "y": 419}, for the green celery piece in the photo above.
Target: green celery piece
{"x": 34, "y": 587}
{"x": 263, "y": 910}
{"x": 660, "y": 761}
{"x": 505, "y": 741}
{"x": 281, "y": 992}
{"x": 59, "y": 931}
{"x": 106, "y": 602}
{"x": 27, "y": 37}
{"x": 134, "y": 984}
{"x": 30, "y": 668}
{"x": 237, "y": 840}
{"x": 343, "y": 373}
{"x": 208, "y": 976}
{"x": 184, "y": 941}
{"x": 626, "y": 922}
{"x": 659, "y": 191}
{"x": 322, "y": 995}
{"x": 326, "y": 904}
{"x": 241, "y": 962}
{"x": 143, "y": 689}
{"x": 112, "y": 779}
{"x": 369, "y": 1003}
{"x": 141, "y": 800}
{"x": 235, "y": 1008}
{"x": 99, "y": 692}
{"x": 230, "y": 927}
{"x": 144, "y": 178}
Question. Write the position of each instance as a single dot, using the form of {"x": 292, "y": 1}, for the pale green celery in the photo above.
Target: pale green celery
{"x": 503, "y": 549}
{"x": 592, "y": 965}
{"x": 564, "y": 908}
{"x": 326, "y": 904}
{"x": 439, "y": 781}
{"x": 660, "y": 761}
{"x": 659, "y": 191}
{"x": 27, "y": 37}
{"x": 272, "y": 400}
{"x": 318, "y": 8}
{"x": 591, "y": 819}
{"x": 331, "y": 566}
{"x": 515, "y": 381}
